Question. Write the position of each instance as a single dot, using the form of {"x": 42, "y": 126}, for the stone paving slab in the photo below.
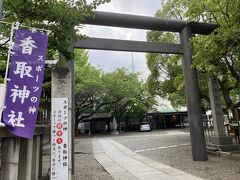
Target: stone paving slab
{"x": 157, "y": 177}
{"x": 122, "y": 163}
{"x": 124, "y": 176}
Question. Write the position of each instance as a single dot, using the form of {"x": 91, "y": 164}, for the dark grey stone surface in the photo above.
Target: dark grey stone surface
{"x": 132, "y": 46}
{"x": 145, "y": 22}
{"x": 192, "y": 91}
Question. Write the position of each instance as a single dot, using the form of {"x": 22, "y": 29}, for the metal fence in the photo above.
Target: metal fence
{"x": 208, "y": 128}
{"x": 44, "y": 114}
{"x": 231, "y": 129}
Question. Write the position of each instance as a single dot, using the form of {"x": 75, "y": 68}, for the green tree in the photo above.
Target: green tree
{"x": 166, "y": 78}
{"x": 218, "y": 54}
{"x": 214, "y": 55}
{"x": 88, "y": 86}
{"x": 120, "y": 92}
{"x": 129, "y": 94}
{"x": 61, "y": 18}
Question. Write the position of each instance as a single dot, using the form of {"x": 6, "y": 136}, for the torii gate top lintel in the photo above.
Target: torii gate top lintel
{"x": 140, "y": 22}
{"x": 149, "y": 23}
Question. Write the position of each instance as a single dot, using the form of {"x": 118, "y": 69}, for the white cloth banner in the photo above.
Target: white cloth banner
{"x": 2, "y": 97}
{"x": 59, "y": 139}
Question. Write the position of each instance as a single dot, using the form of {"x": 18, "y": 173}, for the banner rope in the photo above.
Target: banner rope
{"x": 24, "y": 26}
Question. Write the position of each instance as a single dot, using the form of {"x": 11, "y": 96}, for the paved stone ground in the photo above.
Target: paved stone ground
{"x": 122, "y": 163}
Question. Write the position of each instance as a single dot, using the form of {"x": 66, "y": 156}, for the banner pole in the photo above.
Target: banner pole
{"x": 9, "y": 53}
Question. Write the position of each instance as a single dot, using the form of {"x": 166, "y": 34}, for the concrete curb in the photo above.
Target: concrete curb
{"x": 229, "y": 155}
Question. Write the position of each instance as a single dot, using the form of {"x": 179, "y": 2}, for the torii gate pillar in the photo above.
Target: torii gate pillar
{"x": 192, "y": 92}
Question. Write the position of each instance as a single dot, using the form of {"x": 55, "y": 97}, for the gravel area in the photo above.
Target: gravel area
{"x": 146, "y": 141}
{"x": 216, "y": 168}
{"x": 86, "y": 167}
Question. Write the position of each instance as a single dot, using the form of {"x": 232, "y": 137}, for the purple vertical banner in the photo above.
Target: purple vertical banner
{"x": 25, "y": 82}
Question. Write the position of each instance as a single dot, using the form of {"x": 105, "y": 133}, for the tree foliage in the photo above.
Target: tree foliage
{"x": 120, "y": 92}
{"x": 62, "y": 18}
{"x": 166, "y": 78}
{"x": 214, "y": 55}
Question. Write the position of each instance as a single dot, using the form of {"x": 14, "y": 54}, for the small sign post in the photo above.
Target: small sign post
{"x": 59, "y": 139}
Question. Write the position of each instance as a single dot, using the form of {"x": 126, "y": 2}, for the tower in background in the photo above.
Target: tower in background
{"x": 132, "y": 65}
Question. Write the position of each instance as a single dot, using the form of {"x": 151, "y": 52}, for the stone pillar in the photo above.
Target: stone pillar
{"x": 62, "y": 86}
{"x": 192, "y": 92}
{"x": 25, "y": 159}
{"x": 40, "y": 156}
{"x": 216, "y": 107}
{"x": 114, "y": 127}
{"x": 36, "y": 157}
{"x": 1, "y": 9}
{"x": 73, "y": 120}
{"x": 10, "y": 158}
{"x": 220, "y": 140}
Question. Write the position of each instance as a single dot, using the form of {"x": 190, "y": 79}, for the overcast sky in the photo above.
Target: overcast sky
{"x": 110, "y": 60}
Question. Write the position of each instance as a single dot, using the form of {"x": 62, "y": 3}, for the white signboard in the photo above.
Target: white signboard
{"x": 59, "y": 139}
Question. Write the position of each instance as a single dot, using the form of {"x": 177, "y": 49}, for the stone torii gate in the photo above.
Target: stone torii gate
{"x": 63, "y": 86}
{"x": 186, "y": 30}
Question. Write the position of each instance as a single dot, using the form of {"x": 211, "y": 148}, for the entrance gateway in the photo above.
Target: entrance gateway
{"x": 186, "y": 30}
